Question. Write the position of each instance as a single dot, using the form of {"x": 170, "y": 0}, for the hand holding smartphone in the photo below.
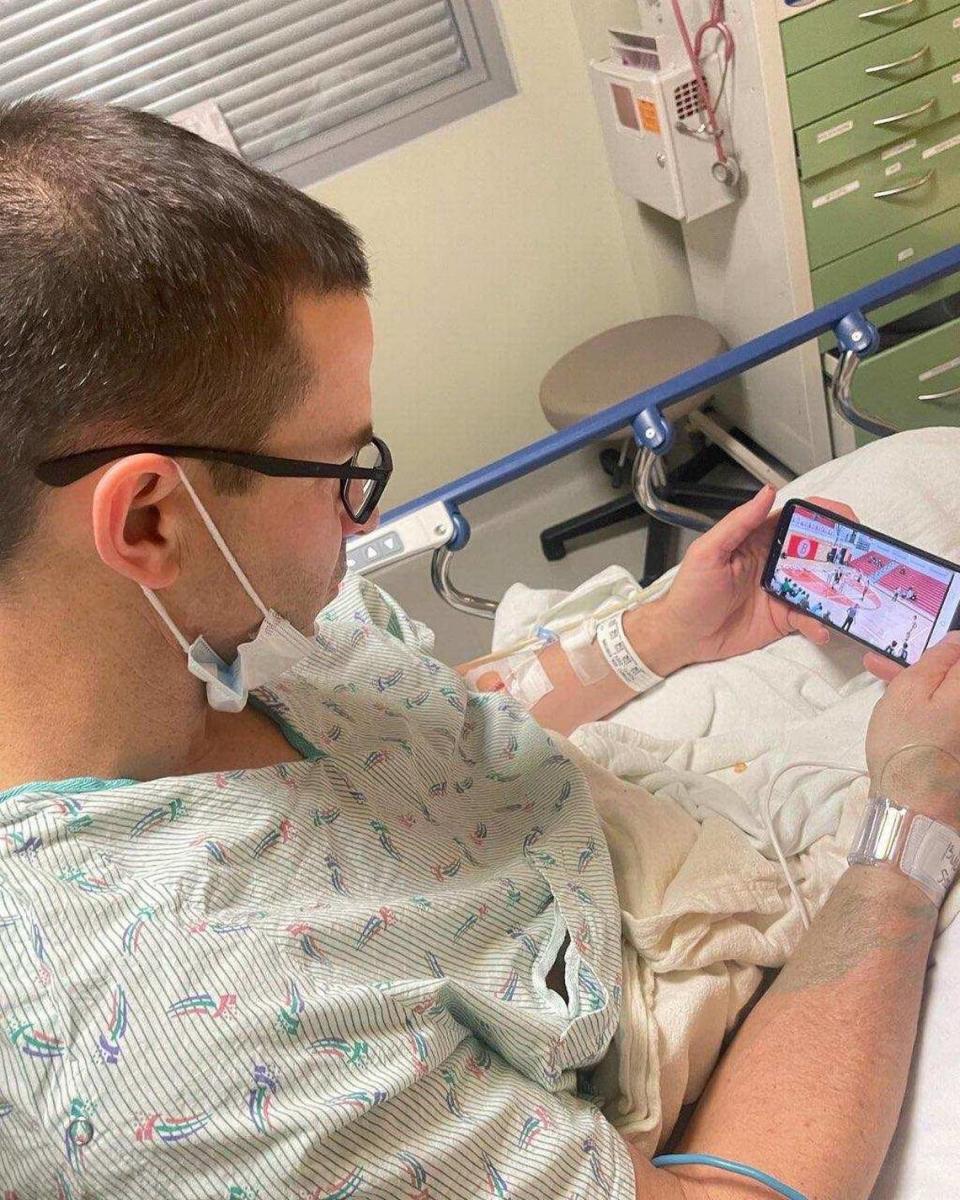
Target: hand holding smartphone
{"x": 889, "y": 596}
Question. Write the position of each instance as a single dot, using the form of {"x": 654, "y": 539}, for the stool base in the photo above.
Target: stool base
{"x": 683, "y": 487}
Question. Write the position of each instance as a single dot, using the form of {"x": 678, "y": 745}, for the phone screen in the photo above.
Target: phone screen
{"x": 890, "y": 596}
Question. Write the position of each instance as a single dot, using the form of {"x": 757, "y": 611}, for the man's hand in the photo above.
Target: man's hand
{"x": 913, "y": 739}
{"x": 715, "y": 607}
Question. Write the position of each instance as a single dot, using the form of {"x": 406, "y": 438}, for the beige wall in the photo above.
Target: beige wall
{"x": 496, "y": 245}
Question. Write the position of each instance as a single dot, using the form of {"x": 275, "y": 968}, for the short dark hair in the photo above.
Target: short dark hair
{"x": 146, "y": 277}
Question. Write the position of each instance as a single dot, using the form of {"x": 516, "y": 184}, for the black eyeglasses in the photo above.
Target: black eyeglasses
{"x": 363, "y": 478}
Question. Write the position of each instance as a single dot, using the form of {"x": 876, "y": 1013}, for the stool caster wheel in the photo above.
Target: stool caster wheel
{"x": 610, "y": 459}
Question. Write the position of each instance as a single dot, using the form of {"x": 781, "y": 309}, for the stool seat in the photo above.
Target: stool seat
{"x": 608, "y": 369}
{"x": 622, "y": 361}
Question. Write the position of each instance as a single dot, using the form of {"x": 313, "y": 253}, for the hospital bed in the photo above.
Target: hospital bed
{"x": 903, "y": 484}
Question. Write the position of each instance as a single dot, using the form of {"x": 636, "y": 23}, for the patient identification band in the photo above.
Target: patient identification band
{"x": 621, "y": 656}
{"x": 925, "y": 850}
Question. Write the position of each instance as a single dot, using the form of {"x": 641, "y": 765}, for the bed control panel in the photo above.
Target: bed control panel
{"x": 427, "y": 528}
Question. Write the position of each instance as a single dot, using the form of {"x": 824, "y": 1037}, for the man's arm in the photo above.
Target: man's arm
{"x": 811, "y": 1088}
{"x": 572, "y": 703}
{"x": 713, "y": 609}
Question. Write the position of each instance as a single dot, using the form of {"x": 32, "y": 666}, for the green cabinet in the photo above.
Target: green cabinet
{"x": 856, "y": 270}
{"x": 861, "y": 202}
{"x": 881, "y": 121}
{"x": 914, "y": 384}
{"x": 877, "y": 67}
{"x": 810, "y": 37}
{"x": 874, "y": 89}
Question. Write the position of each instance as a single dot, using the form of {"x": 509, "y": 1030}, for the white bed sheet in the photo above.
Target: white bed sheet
{"x": 815, "y": 703}
{"x": 907, "y": 486}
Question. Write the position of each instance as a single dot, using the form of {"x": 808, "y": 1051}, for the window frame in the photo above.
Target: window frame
{"x": 488, "y": 79}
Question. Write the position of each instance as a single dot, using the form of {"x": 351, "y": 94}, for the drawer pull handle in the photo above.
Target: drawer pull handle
{"x": 932, "y": 397}
{"x": 913, "y": 112}
{"x": 901, "y": 62}
{"x": 905, "y": 187}
{"x": 888, "y": 8}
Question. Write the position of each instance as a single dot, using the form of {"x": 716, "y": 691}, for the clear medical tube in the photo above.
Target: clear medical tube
{"x": 726, "y": 1164}
{"x": 767, "y": 818}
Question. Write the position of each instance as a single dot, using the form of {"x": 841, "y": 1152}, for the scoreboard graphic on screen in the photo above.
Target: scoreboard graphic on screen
{"x": 801, "y": 546}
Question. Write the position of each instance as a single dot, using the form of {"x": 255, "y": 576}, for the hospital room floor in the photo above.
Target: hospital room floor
{"x": 505, "y": 548}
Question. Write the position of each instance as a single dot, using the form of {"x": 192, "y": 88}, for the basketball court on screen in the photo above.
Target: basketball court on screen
{"x": 863, "y": 584}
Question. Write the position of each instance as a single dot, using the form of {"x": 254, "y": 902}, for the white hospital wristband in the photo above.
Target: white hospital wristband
{"x": 925, "y": 850}
{"x": 621, "y": 657}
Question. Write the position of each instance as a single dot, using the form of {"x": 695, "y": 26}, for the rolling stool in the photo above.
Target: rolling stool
{"x": 608, "y": 368}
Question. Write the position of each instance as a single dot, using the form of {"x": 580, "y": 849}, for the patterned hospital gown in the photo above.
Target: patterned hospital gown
{"x": 323, "y": 979}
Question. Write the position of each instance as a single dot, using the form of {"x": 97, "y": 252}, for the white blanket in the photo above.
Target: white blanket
{"x": 678, "y": 776}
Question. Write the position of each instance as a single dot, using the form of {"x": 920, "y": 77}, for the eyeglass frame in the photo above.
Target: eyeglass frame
{"x": 61, "y": 472}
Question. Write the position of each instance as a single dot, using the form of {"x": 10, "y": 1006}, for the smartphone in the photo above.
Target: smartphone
{"x": 881, "y": 592}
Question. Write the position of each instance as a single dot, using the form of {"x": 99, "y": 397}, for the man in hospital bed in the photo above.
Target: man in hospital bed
{"x": 279, "y": 923}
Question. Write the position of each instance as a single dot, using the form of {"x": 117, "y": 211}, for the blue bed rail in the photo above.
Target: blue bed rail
{"x": 843, "y": 316}
{"x": 437, "y": 513}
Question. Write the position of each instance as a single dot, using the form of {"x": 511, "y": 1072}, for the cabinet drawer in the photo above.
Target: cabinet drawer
{"x": 881, "y": 121}
{"x": 881, "y": 193}
{"x": 914, "y": 384}
{"x": 809, "y": 38}
{"x": 877, "y": 67}
{"x": 883, "y": 258}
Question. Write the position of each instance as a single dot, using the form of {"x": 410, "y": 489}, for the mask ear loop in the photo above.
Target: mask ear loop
{"x": 222, "y": 545}
{"x": 224, "y": 549}
{"x": 165, "y": 618}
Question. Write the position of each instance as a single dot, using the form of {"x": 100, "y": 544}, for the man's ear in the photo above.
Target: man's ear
{"x": 134, "y": 524}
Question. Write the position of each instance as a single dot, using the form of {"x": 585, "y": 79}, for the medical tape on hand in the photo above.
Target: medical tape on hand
{"x": 621, "y": 656}
{"x": 522, "y": 675}
{"x": 472, "y": 677}
{"x": 526, "y": 680}
{"x": 583, "y": 654}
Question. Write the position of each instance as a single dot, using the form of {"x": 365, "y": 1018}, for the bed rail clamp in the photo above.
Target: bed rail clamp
{"x": 856, "y": 333}
{"x": 857, "y": 338}
{"x": 440, "y": 565}
{"x": 652, "y": 430}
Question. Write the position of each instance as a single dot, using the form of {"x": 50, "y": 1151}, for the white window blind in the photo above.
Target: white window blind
{"x": 305, "y": 86}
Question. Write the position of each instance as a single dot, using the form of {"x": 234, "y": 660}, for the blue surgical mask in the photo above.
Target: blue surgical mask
{"x": 276, "y": 647}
